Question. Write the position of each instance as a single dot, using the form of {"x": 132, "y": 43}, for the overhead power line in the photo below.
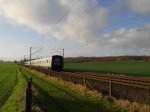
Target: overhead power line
{"x": 64, "y": 16}
{"x": 36, "y": 51}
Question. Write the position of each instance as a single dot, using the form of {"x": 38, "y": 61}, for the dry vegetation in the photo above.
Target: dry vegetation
{"x": 90, "y": 100}
{"x": 133, "y": 106}
{"x": 77, "y": 88}
{"x": 130, "y": 106}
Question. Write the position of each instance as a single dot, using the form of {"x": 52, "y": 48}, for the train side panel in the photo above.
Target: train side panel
{"x": 44, "y": 62}
{"x": 55, "y": 62}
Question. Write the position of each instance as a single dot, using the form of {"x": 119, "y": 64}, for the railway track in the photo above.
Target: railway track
{"x": 137, "y": 82}
{"x": 122, "y": 80}
{"x": 120, "y": 86}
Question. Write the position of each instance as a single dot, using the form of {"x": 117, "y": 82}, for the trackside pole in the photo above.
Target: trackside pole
{"x": 110, "y": 88}
{"x": 84, "y": 80}
{"x": 29, "y": 96}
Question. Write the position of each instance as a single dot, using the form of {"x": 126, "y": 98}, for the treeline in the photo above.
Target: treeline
{"x": 109, "y": 58}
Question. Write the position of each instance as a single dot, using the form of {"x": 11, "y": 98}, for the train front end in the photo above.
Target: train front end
{"x": 57, "y": 63}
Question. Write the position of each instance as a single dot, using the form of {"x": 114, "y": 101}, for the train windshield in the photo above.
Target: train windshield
{"x": 57, "y": 61}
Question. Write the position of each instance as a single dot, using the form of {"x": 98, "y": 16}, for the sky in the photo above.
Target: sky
{"x": 81, "y": 27}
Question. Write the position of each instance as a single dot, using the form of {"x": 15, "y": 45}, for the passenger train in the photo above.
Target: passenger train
{"x": 55, "y": 62}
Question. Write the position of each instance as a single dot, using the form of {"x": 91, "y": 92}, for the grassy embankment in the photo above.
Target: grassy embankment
{"x": 58, "y": 96}
{"x": 133, "y": 68}
{"x": 12, "y": 88}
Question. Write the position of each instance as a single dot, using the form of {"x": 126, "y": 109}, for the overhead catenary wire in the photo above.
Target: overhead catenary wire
{"x": 59, "y": 21}
{"x": 36, "y": 51}
{"x": 83, "y": 12}
{"x": 64, "y": 16}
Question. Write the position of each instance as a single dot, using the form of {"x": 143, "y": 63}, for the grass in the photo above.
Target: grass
{"x": 50, "y": 95}
{"x": 16, "y": 101}
{"x": 133, "y": 68}
{"x": 57, "y": 96}
{"x": 133, "y": 106}
{"x": 8, "y": 79}
{"x": 12, "y": 88}
{"x": 54, "y": 95}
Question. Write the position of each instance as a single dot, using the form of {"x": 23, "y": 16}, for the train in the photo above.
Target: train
{"x": 55, "y": 62}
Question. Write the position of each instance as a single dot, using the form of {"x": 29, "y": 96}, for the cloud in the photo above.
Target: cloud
{"x": 79, "y": 21}
{"x": 140, "y": 6}
{"x": 126, "y": 41}
{"x": 33, "y": 11}
{"x": 57, "y": 18}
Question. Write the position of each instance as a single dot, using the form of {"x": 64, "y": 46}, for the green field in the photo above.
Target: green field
{"x": 49, "y": 94}
{"x": 12, "y": 88}
{"x": 135, "y": 68}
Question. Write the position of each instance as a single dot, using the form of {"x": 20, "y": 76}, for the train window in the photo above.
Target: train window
{"x": 57, "y": 60}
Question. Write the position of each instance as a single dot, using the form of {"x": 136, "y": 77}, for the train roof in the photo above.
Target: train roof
{"x": 57, "y": 56}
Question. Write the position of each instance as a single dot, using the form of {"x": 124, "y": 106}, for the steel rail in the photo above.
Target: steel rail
{"x": 115, "y": 80}
{"x": 135, "y": 82}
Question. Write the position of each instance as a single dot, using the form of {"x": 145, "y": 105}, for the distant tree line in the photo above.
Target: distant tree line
{"x": 109, "y": 58}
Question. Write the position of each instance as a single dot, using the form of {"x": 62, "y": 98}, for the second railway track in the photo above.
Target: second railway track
{"x": 120, "y": 86}
{"x": 139, "y": 82}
